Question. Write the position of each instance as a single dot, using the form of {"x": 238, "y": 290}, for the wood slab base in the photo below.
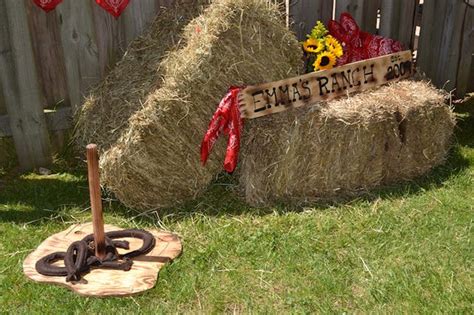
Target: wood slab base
{"x": 106, "y": 282}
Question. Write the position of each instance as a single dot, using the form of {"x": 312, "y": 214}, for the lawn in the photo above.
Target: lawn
{"x": 402, "y": 249}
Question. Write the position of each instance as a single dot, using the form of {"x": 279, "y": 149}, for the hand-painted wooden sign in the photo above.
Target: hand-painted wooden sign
{"x": 269, "y": 98}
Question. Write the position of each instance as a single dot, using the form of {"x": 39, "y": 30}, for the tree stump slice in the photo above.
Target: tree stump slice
{"x": 107, "y": 282}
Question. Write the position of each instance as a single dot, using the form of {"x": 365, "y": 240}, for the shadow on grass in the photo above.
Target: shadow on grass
{"x": 221, "y": 199}
{"x": 465, "y": 124}
{"x": 33, "y": 198}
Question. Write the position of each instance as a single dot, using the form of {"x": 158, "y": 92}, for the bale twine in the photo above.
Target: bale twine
{"x": 155, "y": 162}
{"x": 346, "y": 146}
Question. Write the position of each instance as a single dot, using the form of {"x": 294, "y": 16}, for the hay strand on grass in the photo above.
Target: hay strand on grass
{"x": 155, "y": 162}
{"x": 346, "y": 146}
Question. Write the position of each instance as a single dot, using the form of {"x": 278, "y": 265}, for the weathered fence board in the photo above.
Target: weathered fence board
{"x": 442, "y": 53}
{"x": 49, "y": 57}
{"x": 470, "y": 86}
{"x": 137, "y": 17}
{"x": 20, "y": 87}
{"x": 110, "y": 38}
{"x": 61, "y": 55}
{"x": 397, "y": 20}
{"x": 80, "y": 48}
{"x": 363, "y": 11}
{"x": 56, "y": 120}
{"x": 465, "y": 76}
{"x": 303, "y": 15}
{"x": 3, "y": 108}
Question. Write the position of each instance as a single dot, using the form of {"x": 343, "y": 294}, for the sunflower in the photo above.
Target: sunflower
{"x": 312, "y": 45}
{"x": 333, "y": 46}
{"x": 326, "y": 60}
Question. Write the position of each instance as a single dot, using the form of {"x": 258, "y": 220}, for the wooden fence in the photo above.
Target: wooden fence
{"x": 49, "y": 61}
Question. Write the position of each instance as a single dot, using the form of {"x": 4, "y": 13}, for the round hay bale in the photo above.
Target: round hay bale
{"x": 155, "y": 162}
{"x": 346, "y": 146}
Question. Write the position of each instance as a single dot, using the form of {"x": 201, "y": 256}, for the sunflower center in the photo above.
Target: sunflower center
{"x": 324, "y": 61}
{"x": 312, "y": 47}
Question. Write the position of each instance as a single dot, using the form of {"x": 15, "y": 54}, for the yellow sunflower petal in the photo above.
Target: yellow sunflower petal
{"x": 333, "y": 46}
{"x": 312, "y": 45}
{"x": 325, "y": 60}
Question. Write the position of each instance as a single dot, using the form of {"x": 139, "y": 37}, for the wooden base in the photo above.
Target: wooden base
{"x": 106, "y": 282}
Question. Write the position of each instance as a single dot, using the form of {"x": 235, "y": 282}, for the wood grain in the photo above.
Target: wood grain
{"x": 56, "y": 120}
{"x": 363, "y": 11}
{"x": 397, "y": 20}
{"x": 80, "y": 50}
{"x": 312, "y": 88}
{"x": 49, "y": 57}
{"x": 111, "y": 43}
{"x": 96, "y": 200}
{"x": 136, "y": 18}
{"x": 465, "y": 75}
{"x": 303, "y": 15}
{"x": 3, "y": 106}
{"x": 106, "y": 282}
{"x": 446, "y": 44}
{"x": 21, "y": 91}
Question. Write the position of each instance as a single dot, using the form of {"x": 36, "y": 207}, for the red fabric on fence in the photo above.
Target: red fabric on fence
{"x": 114, "y": 7}
{"x": 226, "y": 119}
{"x": 47, "y": 5}
{"x": 357, "y": 44}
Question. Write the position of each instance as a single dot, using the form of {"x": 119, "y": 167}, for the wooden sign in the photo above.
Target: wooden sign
{"x": 269, "y": 98}
{"x": 107, "y": 282}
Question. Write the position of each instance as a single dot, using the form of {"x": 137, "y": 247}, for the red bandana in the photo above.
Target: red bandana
{"x": 359, "y": 45}
{"x": 47, "y": 5}
{"x": 114, "y": 7}
{"x": 226, "y": 119}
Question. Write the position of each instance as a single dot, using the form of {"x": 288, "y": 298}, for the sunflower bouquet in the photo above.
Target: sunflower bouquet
{"x": 321, "y": 49}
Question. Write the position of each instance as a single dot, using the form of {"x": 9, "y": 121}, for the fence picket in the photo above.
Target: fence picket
{"x": 363, "y": 11}
{"x": 465, "y": 76}
{"x": 442, "y": 45}
{"x": 397, "y": 20}
{"x": 110, "y": 38}
{"x": 49, "y": 57}
{"x": 20, "y": 86}
{"x": 303, "y": 15}
{"x": 3, "y": 106}
{"x": 80, "y": 48}
{"x": 137, "y": 16}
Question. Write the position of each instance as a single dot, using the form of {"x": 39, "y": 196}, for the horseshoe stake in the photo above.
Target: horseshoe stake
{"x": 96, "y": 201}
{"x": 91, "y": 262}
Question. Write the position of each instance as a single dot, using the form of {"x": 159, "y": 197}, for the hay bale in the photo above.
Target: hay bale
{"x": 348, "y": 145}
{"x": 155, "y": 162}
{"x": 107, "y": 109}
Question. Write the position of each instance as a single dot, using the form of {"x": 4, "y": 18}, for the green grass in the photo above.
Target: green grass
{"x": 402, "y": 249}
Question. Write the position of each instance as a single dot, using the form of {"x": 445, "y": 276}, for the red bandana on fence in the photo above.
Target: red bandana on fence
{"x": 114, "y": 7}
{"x": 226, "y": 119}
{"x": 357, "y": 44}
{"x": 47, "y": 5}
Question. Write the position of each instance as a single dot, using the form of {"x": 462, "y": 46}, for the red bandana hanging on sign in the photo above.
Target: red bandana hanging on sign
{"x": 226, "y": 119}
{"x": 114, "y": 7}
{"x": 47, "y": 5}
